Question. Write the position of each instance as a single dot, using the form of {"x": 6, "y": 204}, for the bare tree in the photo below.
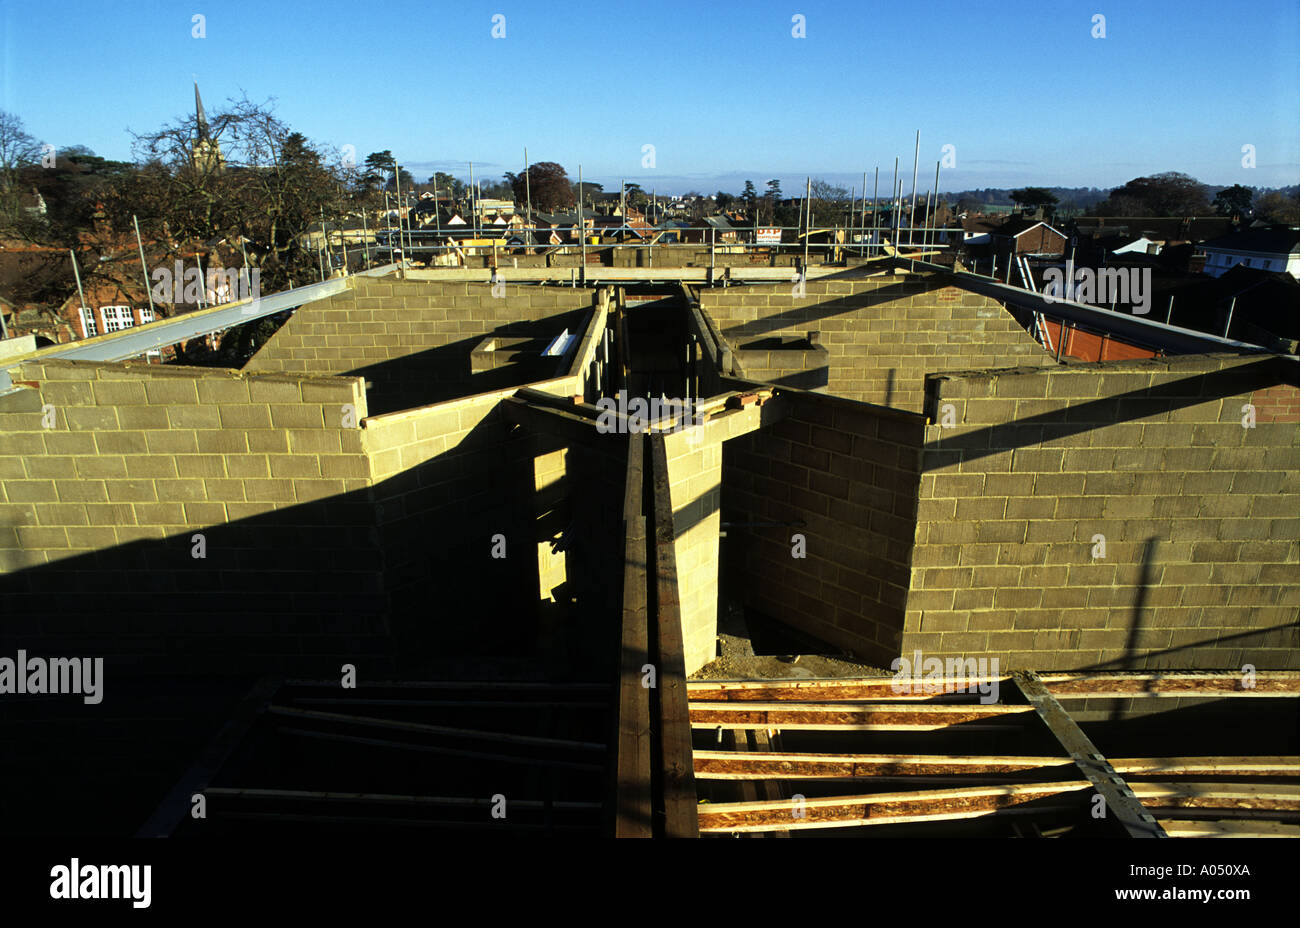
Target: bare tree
{"x": 17, "y": 148}
{"x": 17, "y": 151}
{"x": 267, "y": 190}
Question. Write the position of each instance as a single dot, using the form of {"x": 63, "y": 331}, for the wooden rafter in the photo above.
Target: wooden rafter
{"x": 891, "y": 808}
{"x": 860, "y": 717}
{"x": 848, "y": 689}
{"x": 1098, "y": 686}
{"x": 730, "y": 765}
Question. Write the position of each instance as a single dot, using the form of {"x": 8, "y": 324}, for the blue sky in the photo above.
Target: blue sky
{"x": 723, "y": 91}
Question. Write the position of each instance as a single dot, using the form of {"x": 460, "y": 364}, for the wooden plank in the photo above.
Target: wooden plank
{"x": 477, "y": 802}
{"x": 444, "y": 730}
{"x": 1155, "y": 684}
{"x": 854, "y": 716}
{"x": 726, "y": 765}
{"x": 846, "y": 689}
{"x": 678, "y": 782}
{"x": 739, "y": 743}
{"x": 1119, "y": 798}
{"x": 633, "y": 803}
{"x": 1189, "y": 828}
{"x": 749, "y": 788}
{"x": 179, "y": 801}
{"x": 514, "y": 705}
{"x": 570, "y": 428}
{"x": 1209, "y": 766}
{"x": 1278, "y": 797}
{"x": 888, "y": 808}
{"x": 523, "y": 686}
{"x": 765, "y": 747}
{"x": 526, "y": 760}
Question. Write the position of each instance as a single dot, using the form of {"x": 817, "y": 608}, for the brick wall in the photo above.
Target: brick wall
{"x": 1200, "y": 517}
{"x": 849, "y": 471}
{"x": 883, "y": 334}
{"x": 413, "y": 339}
{"x": 97, "y": 514}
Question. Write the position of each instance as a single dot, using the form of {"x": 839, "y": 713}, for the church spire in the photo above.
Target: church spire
{"x": 206, "y": 153}
{"x": 202, "y": 117}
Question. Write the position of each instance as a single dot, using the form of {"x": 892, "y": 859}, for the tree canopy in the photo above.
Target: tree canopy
{"x": 547, "y": 183}
{"x": 1168, "y": 194}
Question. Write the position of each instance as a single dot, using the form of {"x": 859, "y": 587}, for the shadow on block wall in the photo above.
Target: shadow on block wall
{"x": 444, "y": 373}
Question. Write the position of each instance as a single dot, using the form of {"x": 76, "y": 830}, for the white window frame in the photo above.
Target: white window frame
{"x": 117, "y": 317}
{"x": 146, "y": 315}
{"x": 88, "y": 324}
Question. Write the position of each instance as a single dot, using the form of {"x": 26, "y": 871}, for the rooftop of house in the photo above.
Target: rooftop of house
{"x": 1275, "y": 240}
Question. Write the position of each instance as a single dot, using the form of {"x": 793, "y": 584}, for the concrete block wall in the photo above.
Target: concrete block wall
{"x": 320, "y": 523}
{"x": 447, "y": 478}
{"x": 849, "y": 471}
{"x": 884, "y": 334}
{"x": 98, "y": 513}
{"x": 695, "y": 488}
{"x": 1200, "y": 516}
{"x": 803, "y": 368}
{"x": 413, "y": 339}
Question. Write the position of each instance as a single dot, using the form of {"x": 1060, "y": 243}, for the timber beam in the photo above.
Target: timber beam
{"x": 859, "y": 716}
{"x": 1117, "y": 795}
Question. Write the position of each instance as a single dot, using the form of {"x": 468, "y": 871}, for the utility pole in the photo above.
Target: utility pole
{"x": 875, "y": 209}
{"x": 144, "y": 270}
{"x": 324, "y": 249}
{"x": 893, "y": 206}
{"x": 934, "y": 226}
{"x": 807, "y": 195}
{"x": 911, "y": 222}
{"x": 203, "y": 280}
{"x": 85, "y": 313}
{"x": 388, "y": 226}
{"x": 473, "y": 208}
{"x": 582, "y": 229}
{"x": 528, "y": 195}
{"x": 862, "y": 224}
{"x": 397, "y": 177}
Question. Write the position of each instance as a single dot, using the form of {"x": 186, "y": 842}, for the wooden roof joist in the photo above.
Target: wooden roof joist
{"x": 730, "y": 765}
{"x": 1189, "y": 828}
{"x": 894, "y": 808}
{"x": 1208, "y": 766}
{"x": 858, "y": 717}
{"x": 468, "y": 686}
{"x": 532, "y": 741}
{"x": 474, "y": 802}
{"x": 279, "y": 819}
{"x": 846, "y": 689}
{"x": 1118, "y": 685}
{"x": 531, "y": 759}
{"x": 1061, "y": 685}
{"x": 1260, "y": 797}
